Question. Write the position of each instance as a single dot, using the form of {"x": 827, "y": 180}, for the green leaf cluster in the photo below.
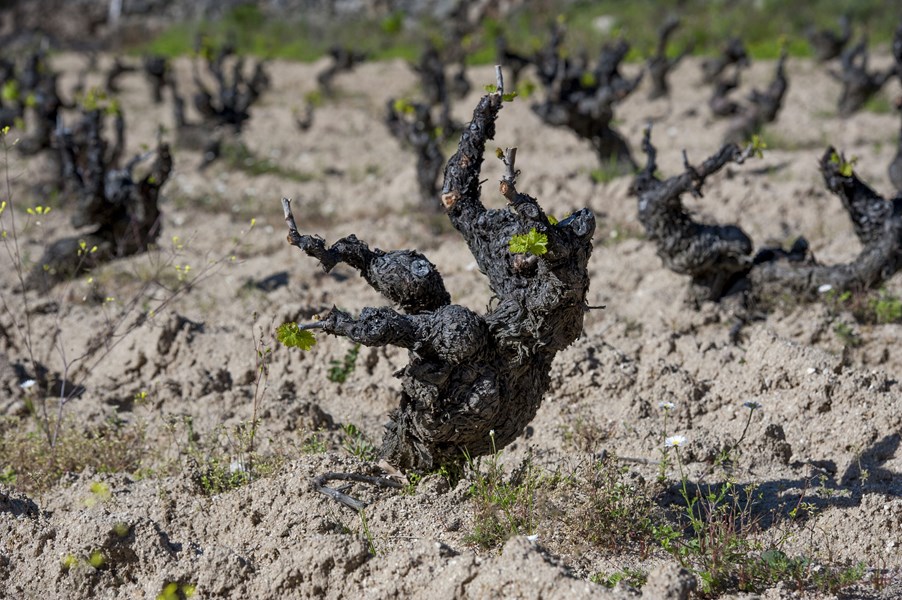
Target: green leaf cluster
{"x": 530, "y": 243}
{"x": 10, "y": 91}
{"x": 758, "y": 146}
{"x": 404, "y": 107}
{"x": 846, "y": 167}
{"x": 289, "y": 334}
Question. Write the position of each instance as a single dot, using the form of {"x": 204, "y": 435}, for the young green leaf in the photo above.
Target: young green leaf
{"x": 290, "y": 335}
{"x": 526, "y": 88}
{"x": 758, "y": 146}
{"x": 403, "y": 107}
{"x": 530, "y": 243}
{"x": 10, "y": 91}
{"x": 846, "y": 167}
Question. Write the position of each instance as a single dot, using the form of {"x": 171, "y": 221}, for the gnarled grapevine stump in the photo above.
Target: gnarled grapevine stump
{"x": 719, "y": 259}
{"x": 119, "y": 211}
{"x": 474, "y": 381}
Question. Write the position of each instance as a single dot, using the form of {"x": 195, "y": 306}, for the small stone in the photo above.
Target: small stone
{"x": 669, "y": 582}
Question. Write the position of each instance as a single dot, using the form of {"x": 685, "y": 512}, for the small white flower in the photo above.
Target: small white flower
{"x": 491, "y": 433}
{"x": 665, "y": 405}
{"x": 533, "y": 538}
{"x": 675, "y": 440}
{"x": 751, "y": 404}
{"x": 823, "y": 289}
{"x": 27, "y": 384}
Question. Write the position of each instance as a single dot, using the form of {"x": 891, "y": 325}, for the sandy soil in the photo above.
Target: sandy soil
{"x": 829, "y": 411}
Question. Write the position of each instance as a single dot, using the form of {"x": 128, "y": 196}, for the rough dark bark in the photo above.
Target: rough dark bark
{"x": 582, "y": 98}
{"x": 827, "y": 44}
{"x": 459, "y": 85}
{"x": 7, "y": 70}
{"x": 659, "y": 65}
{"x": 434, "y": 85}
{"x": 515, "y": 63}
{"x": 719, "y": 259}
{"x": 305, "y": 121}
{"x": 229, "y": 104}
{"x": 761, "y": 108}
{"x": 344, "y": 60}
{"x": 858, "y": 84}
{"x": 547, "y": 59}
{"x": 607, "y": 69}
{"x": 32, "y": 90}
{"x": 159, "y": 76}
{"x": 195, "y": 136}
{"x": 732, "y": 53}
{"x": 45, "y": 108}
{"x": 13, "y": 85}
{"x": 878, "y": 225}
{"x": 425, "y": 126}
{"x": 474, "y": 381}
{"x": 412, "y": 125}
{"x": 895, "y": 167}
{"x": 35, "y": 66}
{"x": 117, "y": 70}
{"x": 713, "y": 256}
{"x": 460, "y": 26}
{"x": 121, "y": 212}
{"x": 720, "y": 103}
